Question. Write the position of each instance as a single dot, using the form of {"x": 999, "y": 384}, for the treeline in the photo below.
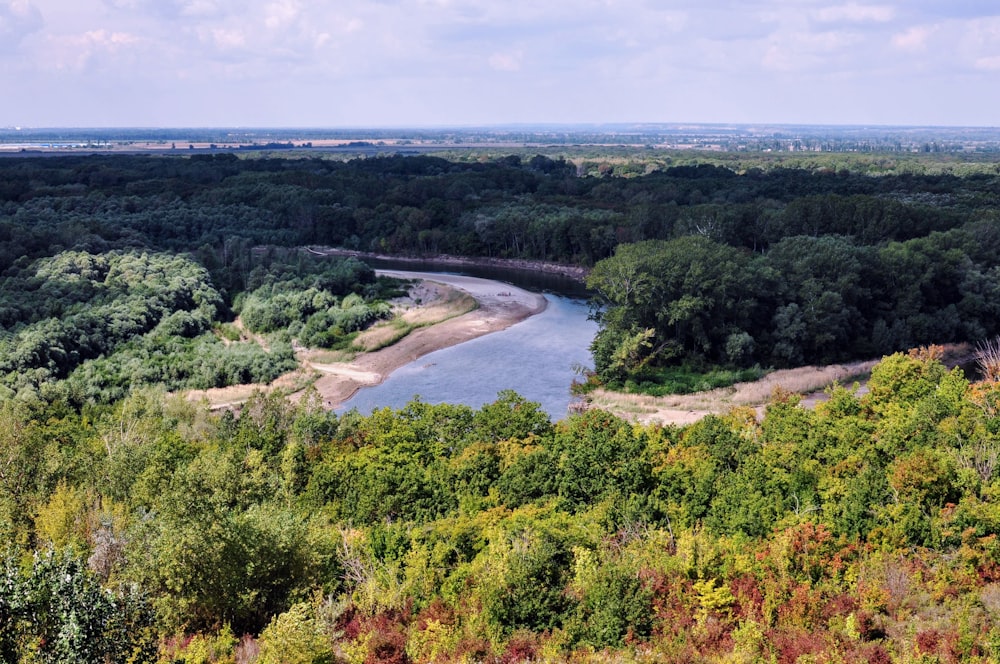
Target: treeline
{"x": 515, "y": 207}
{"x": 865, "y": 530}
{"x": 810, "y": 299}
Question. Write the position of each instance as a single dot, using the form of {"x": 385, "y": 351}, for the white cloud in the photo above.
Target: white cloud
{"x": 990, "y": 63}
{"x": 76, "y": 52}
{"x": 281, "y": 14}
{"x": 18, "y": 19}
{"x": 913, "y": 39}
{"x": 413, "y": 61}
{"x": 226, "y": 39}
{"x": 801, "y": 51}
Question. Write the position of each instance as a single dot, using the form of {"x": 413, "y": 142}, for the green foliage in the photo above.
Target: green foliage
{"x": 295, "y": 637}
{"x": 530, "y": 594}
{"x": 446, "y": 530}
{"x": 54, "y": 610}
{"x": 615, "y": 606}
{"x": 108, "y": 322}
{"x": 863, "y": 531}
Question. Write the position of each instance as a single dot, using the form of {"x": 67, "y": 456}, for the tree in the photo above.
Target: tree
{"x": 663, "y": 302}
{"x": 56, "y": 611}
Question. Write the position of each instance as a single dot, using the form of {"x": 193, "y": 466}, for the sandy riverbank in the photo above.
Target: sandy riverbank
{"x": 431, "y": 303}
{"x": 500, "y": 306}
{"x": 810, "y": 382}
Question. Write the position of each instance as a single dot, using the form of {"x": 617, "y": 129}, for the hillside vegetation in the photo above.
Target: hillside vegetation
{"x": 137, "y": 526}
{"x": 865, "y": 530}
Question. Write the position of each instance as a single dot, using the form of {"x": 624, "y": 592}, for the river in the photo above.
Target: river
{"x": 536, "y": 358}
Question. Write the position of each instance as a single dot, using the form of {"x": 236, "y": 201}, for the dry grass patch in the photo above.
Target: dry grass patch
{"x": 382, "y": 335}
{"x": 801, "y": 380}
{"x": 809, "y": 381}
{"x": 323, "y": 356}
{"x": 451, "y": 302}
{"x": 428, "y": 304}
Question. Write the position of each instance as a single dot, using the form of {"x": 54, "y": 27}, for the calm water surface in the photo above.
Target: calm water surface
{"x": 535, "y": 358}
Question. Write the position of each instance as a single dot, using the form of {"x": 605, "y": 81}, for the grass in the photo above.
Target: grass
{"x": 227, "y": 332}
{"x": 685, "y": 408}
{"x": 665, "y": 381}
{"x": 383, "y": 335}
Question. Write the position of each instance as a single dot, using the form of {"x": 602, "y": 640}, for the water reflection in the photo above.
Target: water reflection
{"x": 533, "y": 280}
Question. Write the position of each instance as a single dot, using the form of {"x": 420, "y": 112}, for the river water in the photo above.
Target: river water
{"x": 536, "y": 358}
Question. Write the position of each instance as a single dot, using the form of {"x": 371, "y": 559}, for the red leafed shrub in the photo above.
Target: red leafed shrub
{"x": 792, "y": 644}
{"x": 927, "y": 641}
{"x": 387, "y": 644}
{"x": 436, "y": 611}
{"x": 802, "y": 609}
{"x": 942, "y": 643}
{"x": 869, "y": 627}
{"x": 989, "y": 571}
{"x": 387, "y": 647}
{"x": 839, "y": 605}
{"x": 350, "y": 623}
{"x": 714, "y": 637}
{"x": 749, "y": 598}
{"x": 674, "y": 601}
{"x": 874, "y": 653}
{"x": 473, "y": 650}
{"x": 522, "y": 647}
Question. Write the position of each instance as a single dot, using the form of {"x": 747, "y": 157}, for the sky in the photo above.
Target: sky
{"x": 437, "y": 63}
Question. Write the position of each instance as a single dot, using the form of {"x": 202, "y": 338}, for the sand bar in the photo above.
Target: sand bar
{"x": 500, "y": 306}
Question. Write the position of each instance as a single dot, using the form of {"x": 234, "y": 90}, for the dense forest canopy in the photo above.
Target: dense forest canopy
{"x": 137, "y": 526}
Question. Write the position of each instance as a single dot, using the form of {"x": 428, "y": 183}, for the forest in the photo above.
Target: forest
{"x": 137, "y": 526}
{"x": 701, "y": 262}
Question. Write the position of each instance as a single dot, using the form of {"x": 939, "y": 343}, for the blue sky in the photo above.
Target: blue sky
{"x": 341, "y": 63}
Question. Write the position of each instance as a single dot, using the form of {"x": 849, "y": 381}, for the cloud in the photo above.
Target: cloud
{"x": 913, "y": 39}
{"x": 412, "y": 61}
{"x": 281, "y": 14}
{"x": 76, "y": 52}
{"x": 227, "y": 39}
{"x": 797, "y": 47}
{"x": 506, "y": 61}
{"x": 173, "y": 9}
{"x": 991, "y": 63}
{"x": 18, "y": 19}
{"x": 855, "y": 13}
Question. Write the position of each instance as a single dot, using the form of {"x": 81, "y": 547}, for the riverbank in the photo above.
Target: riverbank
{"x": 499, "y": 306}
{"x": 810, "y": 382}
{"x": 439, "y": 318}
{"x": 571, "y": 271}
